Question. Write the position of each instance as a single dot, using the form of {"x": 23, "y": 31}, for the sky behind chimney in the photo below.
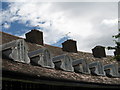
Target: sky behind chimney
{"x": 89, "y": 23}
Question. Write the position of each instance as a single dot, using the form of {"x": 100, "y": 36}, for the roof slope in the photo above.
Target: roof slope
{"x": 52, "y": 73}
{"x": 40, "y": 71}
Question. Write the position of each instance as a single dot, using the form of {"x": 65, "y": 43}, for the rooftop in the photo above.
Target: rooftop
{"x": 37, "y": 71}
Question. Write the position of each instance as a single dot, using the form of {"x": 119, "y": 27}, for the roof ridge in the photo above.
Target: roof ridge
{"x": 52, "y": 46}
{"x": 24, "y": 38}
{"x": 11, "y": 35}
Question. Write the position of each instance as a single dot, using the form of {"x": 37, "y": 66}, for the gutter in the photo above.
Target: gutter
{"x": 22, "y": 77}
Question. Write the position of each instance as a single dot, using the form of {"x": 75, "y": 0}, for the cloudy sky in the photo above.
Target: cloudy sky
{"x": 89, "y": 23}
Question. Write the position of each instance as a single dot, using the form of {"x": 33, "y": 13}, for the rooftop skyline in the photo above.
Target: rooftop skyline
{"x": 89, "y": 23}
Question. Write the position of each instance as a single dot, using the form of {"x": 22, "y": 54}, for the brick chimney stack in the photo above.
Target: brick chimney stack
{"x": 69, "y": 46}
{"x": 35, "y": 36}
{"x": 99, "y": 52}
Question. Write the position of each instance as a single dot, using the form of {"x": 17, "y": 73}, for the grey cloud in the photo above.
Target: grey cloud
{"x": 92, "y": 12}
{"x": 96, "y": 13}
{"x": 87, "y": 8}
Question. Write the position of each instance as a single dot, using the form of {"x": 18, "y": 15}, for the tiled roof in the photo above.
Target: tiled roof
{"x": 40, "y": 71}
